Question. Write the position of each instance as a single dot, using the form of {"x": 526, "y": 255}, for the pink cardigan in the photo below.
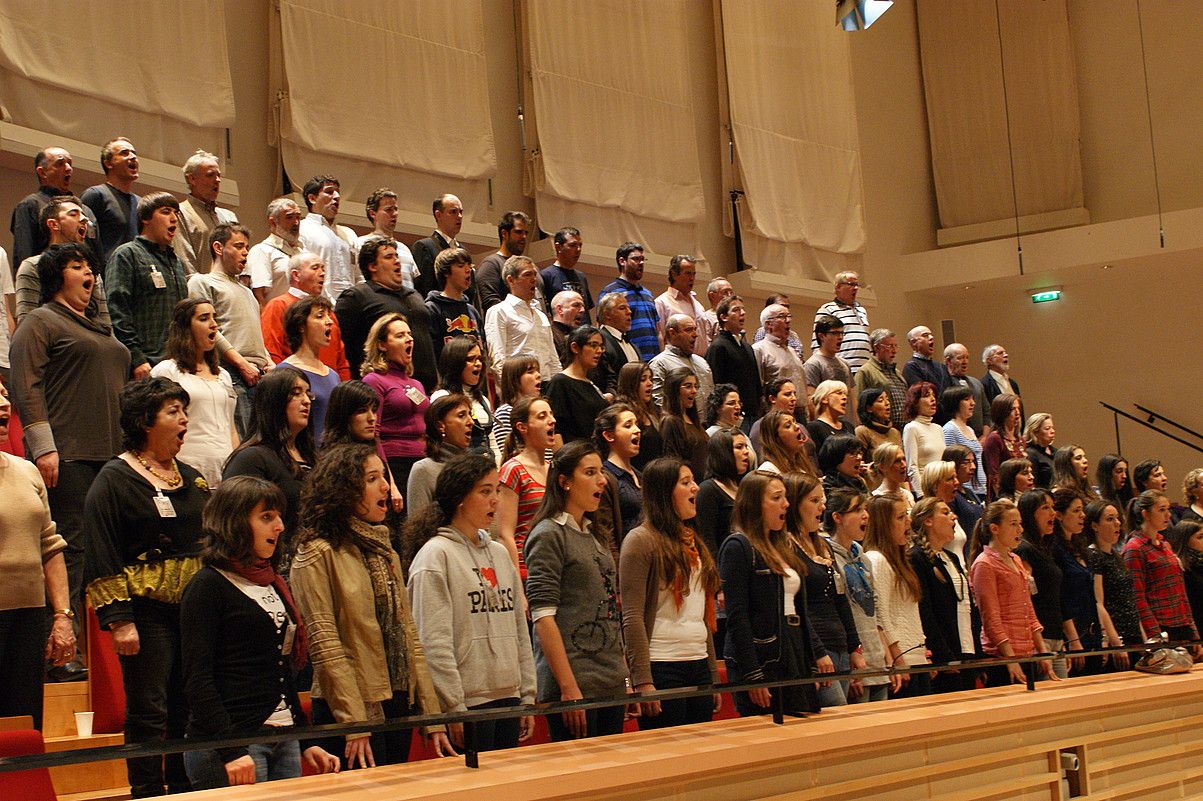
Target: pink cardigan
{"x": 1005, "y": 601}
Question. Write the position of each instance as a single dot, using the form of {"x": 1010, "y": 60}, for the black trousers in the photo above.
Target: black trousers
{"x": 23, "y": 634}
{"x": 670, "y": 675}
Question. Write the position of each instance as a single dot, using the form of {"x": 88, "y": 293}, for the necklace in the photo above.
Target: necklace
{"x": 171, "y": 481}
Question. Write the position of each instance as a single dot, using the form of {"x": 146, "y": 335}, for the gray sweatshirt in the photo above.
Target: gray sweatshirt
{"x": 467, "y": 602}
{"x": 571, "y": 575}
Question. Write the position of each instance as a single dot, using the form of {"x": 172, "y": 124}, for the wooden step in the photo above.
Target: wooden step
{"x": 91, "y": 780}
{"x": 60, "y": 703}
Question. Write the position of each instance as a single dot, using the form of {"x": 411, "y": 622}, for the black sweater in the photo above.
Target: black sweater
{"x": 234, "y": 671}
{"x": 938, "y": 604}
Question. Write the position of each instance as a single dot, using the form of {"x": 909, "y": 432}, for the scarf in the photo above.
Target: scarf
{"x": 261, "y": 572}
{"x": 377, "y": 551}
{"x": 689, "y": 542}
{"x": 880, "y": 428}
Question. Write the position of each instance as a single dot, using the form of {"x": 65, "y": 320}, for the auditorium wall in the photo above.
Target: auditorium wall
{"x": 1128, "y": 333}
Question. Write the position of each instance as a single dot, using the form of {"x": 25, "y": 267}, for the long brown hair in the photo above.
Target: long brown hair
{"x": 797, "y": 487}
{"x": 180, "y": 346}
{"x": 627, "y": 391}
{"x": 747, "y": 517}
{"x": 660, "y": 516}
{"x": 774, "y": 449}
{"x": 877, "y": 538}
{"x": 514, "y": 441}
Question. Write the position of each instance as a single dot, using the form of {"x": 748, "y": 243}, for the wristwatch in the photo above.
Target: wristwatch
{"x": 70, "y": 615}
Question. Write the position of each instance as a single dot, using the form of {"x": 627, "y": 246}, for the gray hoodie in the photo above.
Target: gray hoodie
{"x": 467, "y": 601}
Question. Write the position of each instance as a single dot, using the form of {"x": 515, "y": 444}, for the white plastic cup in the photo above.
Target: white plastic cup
{"x": 83, "y": 723}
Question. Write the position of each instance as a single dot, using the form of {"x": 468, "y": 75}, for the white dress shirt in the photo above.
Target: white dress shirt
{"x": 333, "y": 243}
{"x": 514, "y": 327}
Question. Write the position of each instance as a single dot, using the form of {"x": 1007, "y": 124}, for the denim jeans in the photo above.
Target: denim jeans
{"x": 67, "y": 508}
{"x": 872, "y": 692}
{"x": 155, "y": 705}
{"x": 243, "y": 395}
{"x": 23, "y": 634}
{"x": 598, "y": 723}
{"x": 388, "y": 748}
{"x": 494, "y": 734}
{"x": 836, "y": 694}
{"x": 671, "y": 675}
{"x": 272, "y": 761}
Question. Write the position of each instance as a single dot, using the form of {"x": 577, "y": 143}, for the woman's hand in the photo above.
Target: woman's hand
{"x": 1017, "y": 675}
{"x": 1046, "y": 665}
{"x": 1120, "y": 660}
{"x": 825, "y": 665}
{"x": 1078, "y": 663}
{"x": 455, "y": 732}
{"x": 857, "y": 660}
{"x": 48, "y": 466}
{"x": 718, "y": 703}
{"x": 574, "y": 719}
{"x": 320, "y": 760}
{"x": 442, "y": 744}
{"x": 394, "y": 494}
{"x": 760, "y": 696}
{"x": 60, "y": 647}
{"x": 240, "y": 771}
{"x": 648, "y": 709}
{"x": 526, "y": 727}
{"x": 125, "y": 638}
{"x": 359, "y": 753}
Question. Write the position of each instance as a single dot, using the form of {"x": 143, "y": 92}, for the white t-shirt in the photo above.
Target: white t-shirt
{"x": 679, "y": 635}
{"x": 793, "y": 584}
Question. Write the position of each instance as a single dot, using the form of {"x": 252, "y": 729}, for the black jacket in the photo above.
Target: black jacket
{"x": 938, "y": 605}
{"x": 611, "y": 362}
{"x": 734, "y": 362}
{"x": 361, "y": 305}
{"x": 424, "y": 251}
{"x": 234, "y": 671}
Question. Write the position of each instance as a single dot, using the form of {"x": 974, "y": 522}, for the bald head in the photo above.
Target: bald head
{"x": 567, "y": 307}
{"x": 922, "y": 341}
{"x": 448, "y": 215}
{"x": 681, "y": 330}
{"x": 53, "y": 166}
{"x": 956, "y": 359}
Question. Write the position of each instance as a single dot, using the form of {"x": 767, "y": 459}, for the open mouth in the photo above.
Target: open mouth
{"x": 171, "y": 230}
{"x": 212, "y": 336}
{"x": 597, "y": 495}
{"x": 271, "y": 541}
{"x": 382, "y": 504}
{"x": 3, "y": 420}
{"x": 87, "y": 285}
{"x": 180, "y": 435}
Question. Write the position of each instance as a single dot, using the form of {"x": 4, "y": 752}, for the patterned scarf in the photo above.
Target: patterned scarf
{"x": 689, "y": 542}
{"x": 262, "y": 573}
{"x": 373, "y": 543}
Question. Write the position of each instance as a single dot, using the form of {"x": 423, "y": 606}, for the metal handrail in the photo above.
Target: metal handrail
{"x": 471, "y": 718}
{"x": 1174, "y": 423}
{"x": 1121, "y": 413}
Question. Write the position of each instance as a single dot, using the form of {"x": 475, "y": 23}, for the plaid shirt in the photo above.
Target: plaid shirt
{"x": 1158, "y": 584}
{"x": 645, "y": 320}
{"x": 140, "y": 308}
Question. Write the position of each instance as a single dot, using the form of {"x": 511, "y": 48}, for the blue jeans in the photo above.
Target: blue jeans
{"x": 872, "y": 692}
{"x": 243, "y": 395}
{"x": 272, "y": 761}
{"x": 155, "y": 705}
{"x": 836, "y": 694}
{"x": 670, "y": 676}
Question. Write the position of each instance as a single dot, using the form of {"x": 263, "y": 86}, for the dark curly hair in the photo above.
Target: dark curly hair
{"x": 332, "y": 492}
{"x": 141, "y": 402}
{"x": 52, "y": 263}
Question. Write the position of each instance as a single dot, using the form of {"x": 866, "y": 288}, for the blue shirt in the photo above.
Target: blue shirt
{"x": 645, "y": 321}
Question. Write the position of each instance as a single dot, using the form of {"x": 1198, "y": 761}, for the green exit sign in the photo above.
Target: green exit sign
{"x": 1047, "y": 296}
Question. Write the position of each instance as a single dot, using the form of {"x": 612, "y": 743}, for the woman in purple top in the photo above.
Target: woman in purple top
{"x": 387, "y": 367}
{"x": 308, "y": 324}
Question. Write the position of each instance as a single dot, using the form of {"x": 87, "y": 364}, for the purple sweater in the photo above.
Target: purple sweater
{"x": 401, "y": 421}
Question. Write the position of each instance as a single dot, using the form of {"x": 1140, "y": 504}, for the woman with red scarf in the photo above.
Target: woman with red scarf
{"x": 668, "y": 582}
{"x": 243, "y": 639}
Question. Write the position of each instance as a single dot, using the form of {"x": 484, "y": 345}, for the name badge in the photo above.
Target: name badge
{"x": 290, "y": 634}
{"x": 158, "y": 280}
{"x": 416, "y": 395}
{"x": 163, "y": 505}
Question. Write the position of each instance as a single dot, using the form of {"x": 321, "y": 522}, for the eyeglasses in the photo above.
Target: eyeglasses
{"x": 782, "y": 317}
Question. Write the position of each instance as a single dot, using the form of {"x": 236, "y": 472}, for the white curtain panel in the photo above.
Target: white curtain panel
{"x": 963, "y": 81}
{"x": 157, "y": 72}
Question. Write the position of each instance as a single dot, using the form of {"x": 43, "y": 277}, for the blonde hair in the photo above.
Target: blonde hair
{"x": 826, "y": 388}
{"x": 1192, "y": 486}
{"x": 374, "y": 360}
{"x": 933, "y": 473}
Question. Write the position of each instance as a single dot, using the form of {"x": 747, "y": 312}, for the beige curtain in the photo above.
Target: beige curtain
{"x": 967, "y": 114}
{"x": 793, "y": 119}
{"x": 391, "y": 94}
{"x": 613, "y": 147}
{"x": 89, "y": 71}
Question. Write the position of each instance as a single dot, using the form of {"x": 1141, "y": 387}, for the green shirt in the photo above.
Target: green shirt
{"x": 143, "y": 282}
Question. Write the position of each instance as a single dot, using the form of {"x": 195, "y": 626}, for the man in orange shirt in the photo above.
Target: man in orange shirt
{"x": 306, "y": 276}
